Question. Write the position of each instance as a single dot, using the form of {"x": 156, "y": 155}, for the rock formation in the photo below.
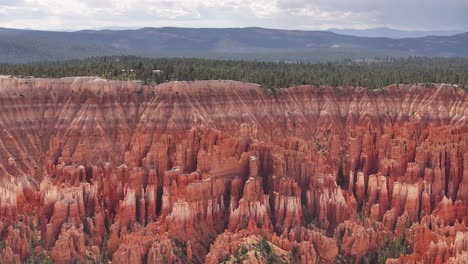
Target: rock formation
{"x": 212, "y": 171}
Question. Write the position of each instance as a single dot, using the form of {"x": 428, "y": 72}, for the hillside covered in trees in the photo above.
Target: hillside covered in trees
{"x": 375, "y": 73}
{"x": 254, "y": 43}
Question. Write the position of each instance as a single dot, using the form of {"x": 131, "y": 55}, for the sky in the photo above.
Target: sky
{"x": 284, "y": 14}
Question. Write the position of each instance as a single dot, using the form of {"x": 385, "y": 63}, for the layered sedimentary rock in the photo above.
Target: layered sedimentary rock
{"x": 213, "y": 171}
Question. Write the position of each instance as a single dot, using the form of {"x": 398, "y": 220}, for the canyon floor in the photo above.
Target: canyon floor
{"x": 93, "y": 171}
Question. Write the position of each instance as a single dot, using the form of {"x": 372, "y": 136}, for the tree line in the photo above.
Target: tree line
{"x": 370, "y": 73}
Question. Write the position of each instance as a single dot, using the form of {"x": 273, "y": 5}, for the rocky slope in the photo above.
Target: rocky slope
{"x": 211, "y": 171}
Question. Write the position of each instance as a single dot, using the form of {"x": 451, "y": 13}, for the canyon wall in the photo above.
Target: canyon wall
{"x": 211, "y": 171}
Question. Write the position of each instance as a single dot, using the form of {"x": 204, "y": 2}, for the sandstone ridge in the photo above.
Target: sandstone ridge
{"x": 211, "y": 171}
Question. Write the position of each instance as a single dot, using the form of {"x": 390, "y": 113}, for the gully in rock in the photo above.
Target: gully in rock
{"x": 212, "y": 171}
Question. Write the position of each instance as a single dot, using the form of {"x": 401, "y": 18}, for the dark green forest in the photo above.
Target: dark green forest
{"x": 370, "y": 73}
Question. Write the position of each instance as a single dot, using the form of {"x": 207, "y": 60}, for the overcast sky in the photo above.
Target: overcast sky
{"x": 288, "y": 14}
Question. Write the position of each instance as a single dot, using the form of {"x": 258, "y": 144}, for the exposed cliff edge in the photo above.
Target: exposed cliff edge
{"x": 208, "y": 171}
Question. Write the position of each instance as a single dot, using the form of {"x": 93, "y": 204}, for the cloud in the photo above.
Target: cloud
{"x": 294, "y": 14}
{"x": 418, "y": 14}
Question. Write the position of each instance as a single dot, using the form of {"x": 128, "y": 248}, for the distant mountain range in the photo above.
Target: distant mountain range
{"x": 386, "y": 32}
{"x": 20, "y": 46}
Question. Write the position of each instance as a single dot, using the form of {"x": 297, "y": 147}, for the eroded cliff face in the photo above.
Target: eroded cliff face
{"x": 217, "y": 170}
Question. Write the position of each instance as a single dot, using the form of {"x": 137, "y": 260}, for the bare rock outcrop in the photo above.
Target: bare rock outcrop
{"x": 207, "y": 171}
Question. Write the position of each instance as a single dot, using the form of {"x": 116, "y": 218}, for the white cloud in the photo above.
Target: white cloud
{"x": 298, "y": 14}
{"x": 3, "y": 11}
{"x": 264, "y": 8}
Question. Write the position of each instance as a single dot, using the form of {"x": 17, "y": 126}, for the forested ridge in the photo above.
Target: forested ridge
{"x": 370, "y": 73}
{"x": 253, "y": 43}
